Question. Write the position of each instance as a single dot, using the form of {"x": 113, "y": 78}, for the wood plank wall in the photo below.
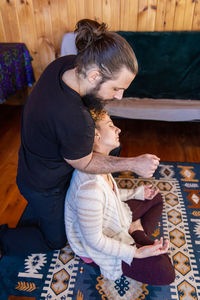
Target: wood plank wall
{"x": 40, "y": 24}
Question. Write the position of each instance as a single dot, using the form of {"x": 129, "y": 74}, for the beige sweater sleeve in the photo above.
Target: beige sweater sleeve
{"x": 126, "y": 194}
{"x": 90, "y": 209}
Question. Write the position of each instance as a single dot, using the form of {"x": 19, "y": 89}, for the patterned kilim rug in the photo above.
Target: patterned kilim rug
{"x": 61, "y": 275}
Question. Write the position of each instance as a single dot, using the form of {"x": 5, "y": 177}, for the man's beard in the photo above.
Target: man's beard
{"x": 93, "y": 101}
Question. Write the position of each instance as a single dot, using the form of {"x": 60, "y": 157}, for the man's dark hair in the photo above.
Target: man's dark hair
{"x": 105, "y": 49}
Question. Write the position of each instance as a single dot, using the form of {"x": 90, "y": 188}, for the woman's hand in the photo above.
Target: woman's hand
{"x": 149, "y": 192}
{"x": 152, "y": 250}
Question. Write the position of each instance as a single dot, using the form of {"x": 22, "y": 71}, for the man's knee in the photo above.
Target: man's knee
{"x": 57, "y": 243}
{"x": 53, "y": 231}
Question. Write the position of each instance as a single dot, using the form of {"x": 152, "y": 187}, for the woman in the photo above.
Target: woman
{"x": 112, "y": 234}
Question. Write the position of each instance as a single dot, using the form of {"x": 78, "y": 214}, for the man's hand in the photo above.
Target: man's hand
{"x": 152, "y": 250}
{"x": 149, "y": 192}
{"x": 145, "y": 165}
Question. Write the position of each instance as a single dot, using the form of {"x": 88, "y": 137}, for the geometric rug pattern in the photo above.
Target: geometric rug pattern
{"x": 62, "y": 275}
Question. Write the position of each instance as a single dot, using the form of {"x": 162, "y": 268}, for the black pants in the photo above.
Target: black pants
{"x": 41, "y": 227}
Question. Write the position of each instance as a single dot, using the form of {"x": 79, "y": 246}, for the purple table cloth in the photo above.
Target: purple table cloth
{"x": 15, "y": 69}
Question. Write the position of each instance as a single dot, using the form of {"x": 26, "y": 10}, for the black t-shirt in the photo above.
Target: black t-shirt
{"x": 55, "y": 125}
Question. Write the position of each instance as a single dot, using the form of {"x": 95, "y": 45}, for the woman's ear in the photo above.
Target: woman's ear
{"x": 97, "y": 139}
{"x": 97, "y": 135}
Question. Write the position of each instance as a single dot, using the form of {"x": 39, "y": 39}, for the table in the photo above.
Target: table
{"x": 15, "y": 69}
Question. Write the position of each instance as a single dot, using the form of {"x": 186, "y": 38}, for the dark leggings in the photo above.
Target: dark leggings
{"x": 155, "y": 270}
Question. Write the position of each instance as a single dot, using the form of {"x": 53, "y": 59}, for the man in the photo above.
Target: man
{"x": 57, "y": 134}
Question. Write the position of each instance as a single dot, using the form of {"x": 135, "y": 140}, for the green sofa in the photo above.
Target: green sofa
{"x": 167, "y": 86}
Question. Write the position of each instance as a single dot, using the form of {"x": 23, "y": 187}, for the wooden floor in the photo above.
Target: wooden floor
{"x": 170, "y": 141}
{"x": 12, "y": 203}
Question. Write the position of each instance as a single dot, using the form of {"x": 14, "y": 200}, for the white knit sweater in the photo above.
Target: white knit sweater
{"x": 97, "y": 222}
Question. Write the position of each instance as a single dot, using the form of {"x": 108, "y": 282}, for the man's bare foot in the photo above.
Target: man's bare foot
{"x": 136, "y": 225}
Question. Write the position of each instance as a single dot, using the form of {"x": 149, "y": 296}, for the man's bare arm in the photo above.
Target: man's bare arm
{"x": 96, "y": 163}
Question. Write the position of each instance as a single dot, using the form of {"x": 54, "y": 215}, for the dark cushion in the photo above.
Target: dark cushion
{"x": 169, "y": 64}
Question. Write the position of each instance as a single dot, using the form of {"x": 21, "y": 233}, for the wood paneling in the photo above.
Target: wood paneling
{"x": 151, "y": 16}
{"x": 160, "y": 15}
{"x": 10, "y": 21}
{"x": 111, "y": 13}
{"x": 179, "y": 14}
{"x": 189, "y": 11}
{"x": 42, "y": 24}
{"x": 169, "y": 15}
{"x": 196, "y": 16}
{"x": 142, "y": 15}
{"x": 2, "y": 30}
{"x": 128, "y": 14}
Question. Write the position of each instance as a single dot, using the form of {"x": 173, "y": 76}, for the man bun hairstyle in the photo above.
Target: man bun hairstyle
{"x": 106, "y": 50}
{"x": 88, "y": 31}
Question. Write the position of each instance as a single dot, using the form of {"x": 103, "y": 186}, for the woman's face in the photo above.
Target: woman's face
{"x": 107, "y": 135}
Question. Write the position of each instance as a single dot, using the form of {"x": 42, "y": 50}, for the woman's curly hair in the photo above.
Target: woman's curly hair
{"x": 98, "y": 115}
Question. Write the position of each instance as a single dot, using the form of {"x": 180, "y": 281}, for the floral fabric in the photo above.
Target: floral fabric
{"x": 15, "y": 69}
